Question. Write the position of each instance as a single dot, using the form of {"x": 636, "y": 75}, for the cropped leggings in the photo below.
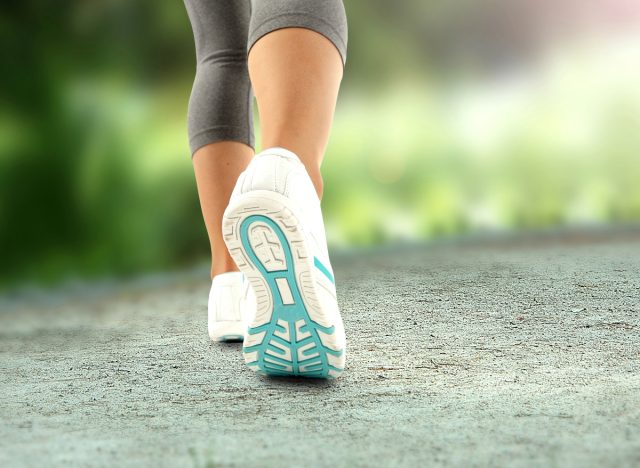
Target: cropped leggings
{"x": 221, "y": 103}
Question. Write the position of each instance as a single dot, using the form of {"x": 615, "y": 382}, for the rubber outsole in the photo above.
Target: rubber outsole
{"x": 292, "y": 333}
{"x": 227, "y": 331}
{"x": 230, "y": 339}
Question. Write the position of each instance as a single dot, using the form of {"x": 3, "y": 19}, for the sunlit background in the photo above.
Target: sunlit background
{"x": 455, "y": 117}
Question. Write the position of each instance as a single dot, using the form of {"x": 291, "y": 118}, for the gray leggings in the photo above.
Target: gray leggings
{"x": 221, "y": 104}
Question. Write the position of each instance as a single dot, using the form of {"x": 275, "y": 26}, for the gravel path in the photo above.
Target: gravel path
{"x": 518, "y": 353}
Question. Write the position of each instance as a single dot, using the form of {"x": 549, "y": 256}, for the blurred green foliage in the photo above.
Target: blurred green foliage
{"x": 95, "y": 173}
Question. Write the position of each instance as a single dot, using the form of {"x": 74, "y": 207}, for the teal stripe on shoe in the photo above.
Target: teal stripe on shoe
{"x": 323, "y": 269}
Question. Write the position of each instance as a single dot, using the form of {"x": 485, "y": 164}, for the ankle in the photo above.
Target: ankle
{"x": 216, "y": 272}
{"x": 316, "y": 178}
{"x": 309, "y": 156}
{"x": 222, "y": 265}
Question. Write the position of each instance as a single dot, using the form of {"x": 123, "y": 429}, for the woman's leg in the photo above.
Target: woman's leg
{"x": 217, "y": 167}
{"x": 220, "y": 112}
{"x": 273, "y": 225}
{"x": 297, "y": 51}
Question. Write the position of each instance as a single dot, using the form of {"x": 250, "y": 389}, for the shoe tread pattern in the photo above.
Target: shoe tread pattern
{"x": 286, "y": 338}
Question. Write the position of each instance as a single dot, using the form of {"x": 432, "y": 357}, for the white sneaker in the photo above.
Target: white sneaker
{"x": 274, "y": 231}
{"x": 231, "y": 306}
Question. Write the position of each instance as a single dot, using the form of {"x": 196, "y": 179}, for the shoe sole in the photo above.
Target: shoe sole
{"x": 227, "y": 331}
{"x": 292, "y": 333}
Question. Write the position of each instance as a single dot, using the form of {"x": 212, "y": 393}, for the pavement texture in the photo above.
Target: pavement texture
{"x": 513, "y": 352}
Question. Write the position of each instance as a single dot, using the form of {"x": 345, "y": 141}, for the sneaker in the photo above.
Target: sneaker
{"x": 274, "y": 231}
{"x": 231, "y": 304}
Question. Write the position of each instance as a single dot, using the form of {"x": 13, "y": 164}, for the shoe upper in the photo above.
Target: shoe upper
{"x": 280, "y": 170}
{"x": 231, "y": 299}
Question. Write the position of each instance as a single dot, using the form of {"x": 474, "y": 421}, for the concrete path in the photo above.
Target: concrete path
{"x": 485, "y": 354}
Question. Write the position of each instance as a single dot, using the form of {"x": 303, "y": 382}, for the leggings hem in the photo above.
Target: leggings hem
{"x": 298, "y": 20}
{"x": 220, "y": 133}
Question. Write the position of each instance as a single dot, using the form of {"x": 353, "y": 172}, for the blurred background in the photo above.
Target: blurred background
{"x": 455, "y": 117}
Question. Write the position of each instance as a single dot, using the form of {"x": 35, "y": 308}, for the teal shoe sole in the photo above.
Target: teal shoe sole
{"x": 284, "y": 340}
